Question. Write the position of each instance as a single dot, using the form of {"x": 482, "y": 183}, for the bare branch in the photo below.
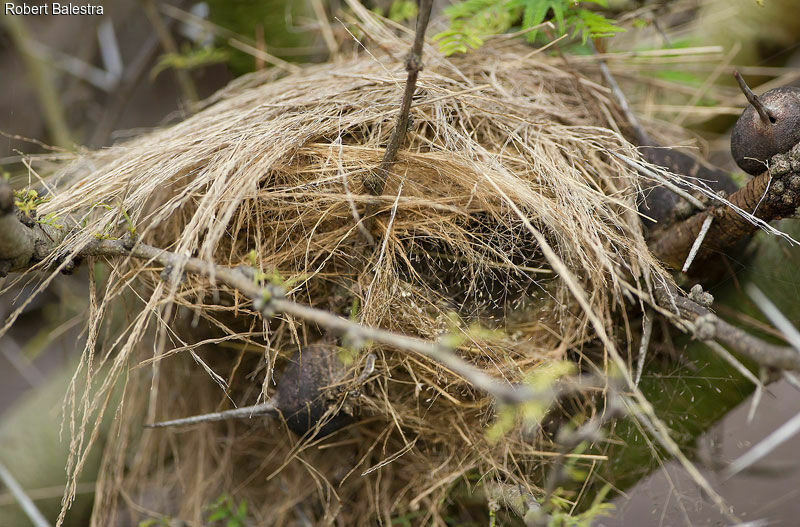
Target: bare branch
{"x": 269, "y": 300}
{"x": 708, "y": 326}
{"x": 31, "y": 511}
{"x": 771, "y": 195}
{"x": 375, "y": 181}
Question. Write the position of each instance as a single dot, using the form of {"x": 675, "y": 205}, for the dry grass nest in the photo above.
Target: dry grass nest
{"x": 504, "y": 142}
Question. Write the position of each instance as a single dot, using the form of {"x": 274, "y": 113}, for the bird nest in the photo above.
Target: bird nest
{"x": 506, "y": 229}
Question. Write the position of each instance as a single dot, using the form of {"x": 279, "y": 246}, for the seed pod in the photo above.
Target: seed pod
{"x": 769, "y": 126}
{"x": 304, "y": 393}
{"x": 304, "y": 397}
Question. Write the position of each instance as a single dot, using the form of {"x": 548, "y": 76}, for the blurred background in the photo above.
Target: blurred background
{"x": 72, "y": 82}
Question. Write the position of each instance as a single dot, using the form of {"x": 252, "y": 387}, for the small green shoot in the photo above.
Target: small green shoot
{"x": 155, "y": 522}
{"x": 52, "y": 220}
{"x": 28, "y": 200}
{"x": 402, "y": 10}
{"x": 189, "y": 59}
{"x": 225, "y": 512}
{"x": 354, "y": 310}
{"x": 530, "y": 412}
{"x": 131, "y": 228}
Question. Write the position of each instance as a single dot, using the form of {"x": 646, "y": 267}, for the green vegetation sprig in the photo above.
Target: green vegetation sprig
{"x": 472, "y": 21}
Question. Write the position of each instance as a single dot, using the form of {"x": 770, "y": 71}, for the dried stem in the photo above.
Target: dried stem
{"x": 41, "y": 80}
{"x": 375, "y": 182}
{"x": 266, "y": 408}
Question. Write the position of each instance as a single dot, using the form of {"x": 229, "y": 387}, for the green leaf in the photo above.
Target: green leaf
{"x": 219, "y": 514}
{"x": 402, "y": 10}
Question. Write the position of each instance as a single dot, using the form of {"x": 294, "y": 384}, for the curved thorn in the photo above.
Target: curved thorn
{"x": 766, "y": 116}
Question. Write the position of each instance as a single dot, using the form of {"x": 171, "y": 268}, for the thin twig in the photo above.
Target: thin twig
{"x": 764, "y": 447}
{"x": 31, "y": 511}
{"x": 647, "y": 331}
{"x": 642, "y": 137}
{"x": 375, "y": 182}
{"x": 697, "y": 243}
{"x": 774, "y": 315}
{"x": 265, "y": 408}
{"x": 168, "y": 43}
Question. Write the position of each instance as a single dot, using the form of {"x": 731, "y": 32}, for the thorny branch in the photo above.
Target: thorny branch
{"x": 269, "y": 300}
{"x": 771, "y": 195}
{"x": 707, "y": 326}
{"x": 21, "y": 247}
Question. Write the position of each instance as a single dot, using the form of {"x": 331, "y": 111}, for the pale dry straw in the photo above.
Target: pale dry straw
{"x": 503, "y": 142}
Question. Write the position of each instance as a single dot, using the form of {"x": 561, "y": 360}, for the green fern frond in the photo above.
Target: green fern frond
{"x": 472, "y": 21}
{"x": 589, "y": 24}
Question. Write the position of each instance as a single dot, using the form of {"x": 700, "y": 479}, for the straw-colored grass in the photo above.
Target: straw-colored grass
{"x": 502, "y": 140}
